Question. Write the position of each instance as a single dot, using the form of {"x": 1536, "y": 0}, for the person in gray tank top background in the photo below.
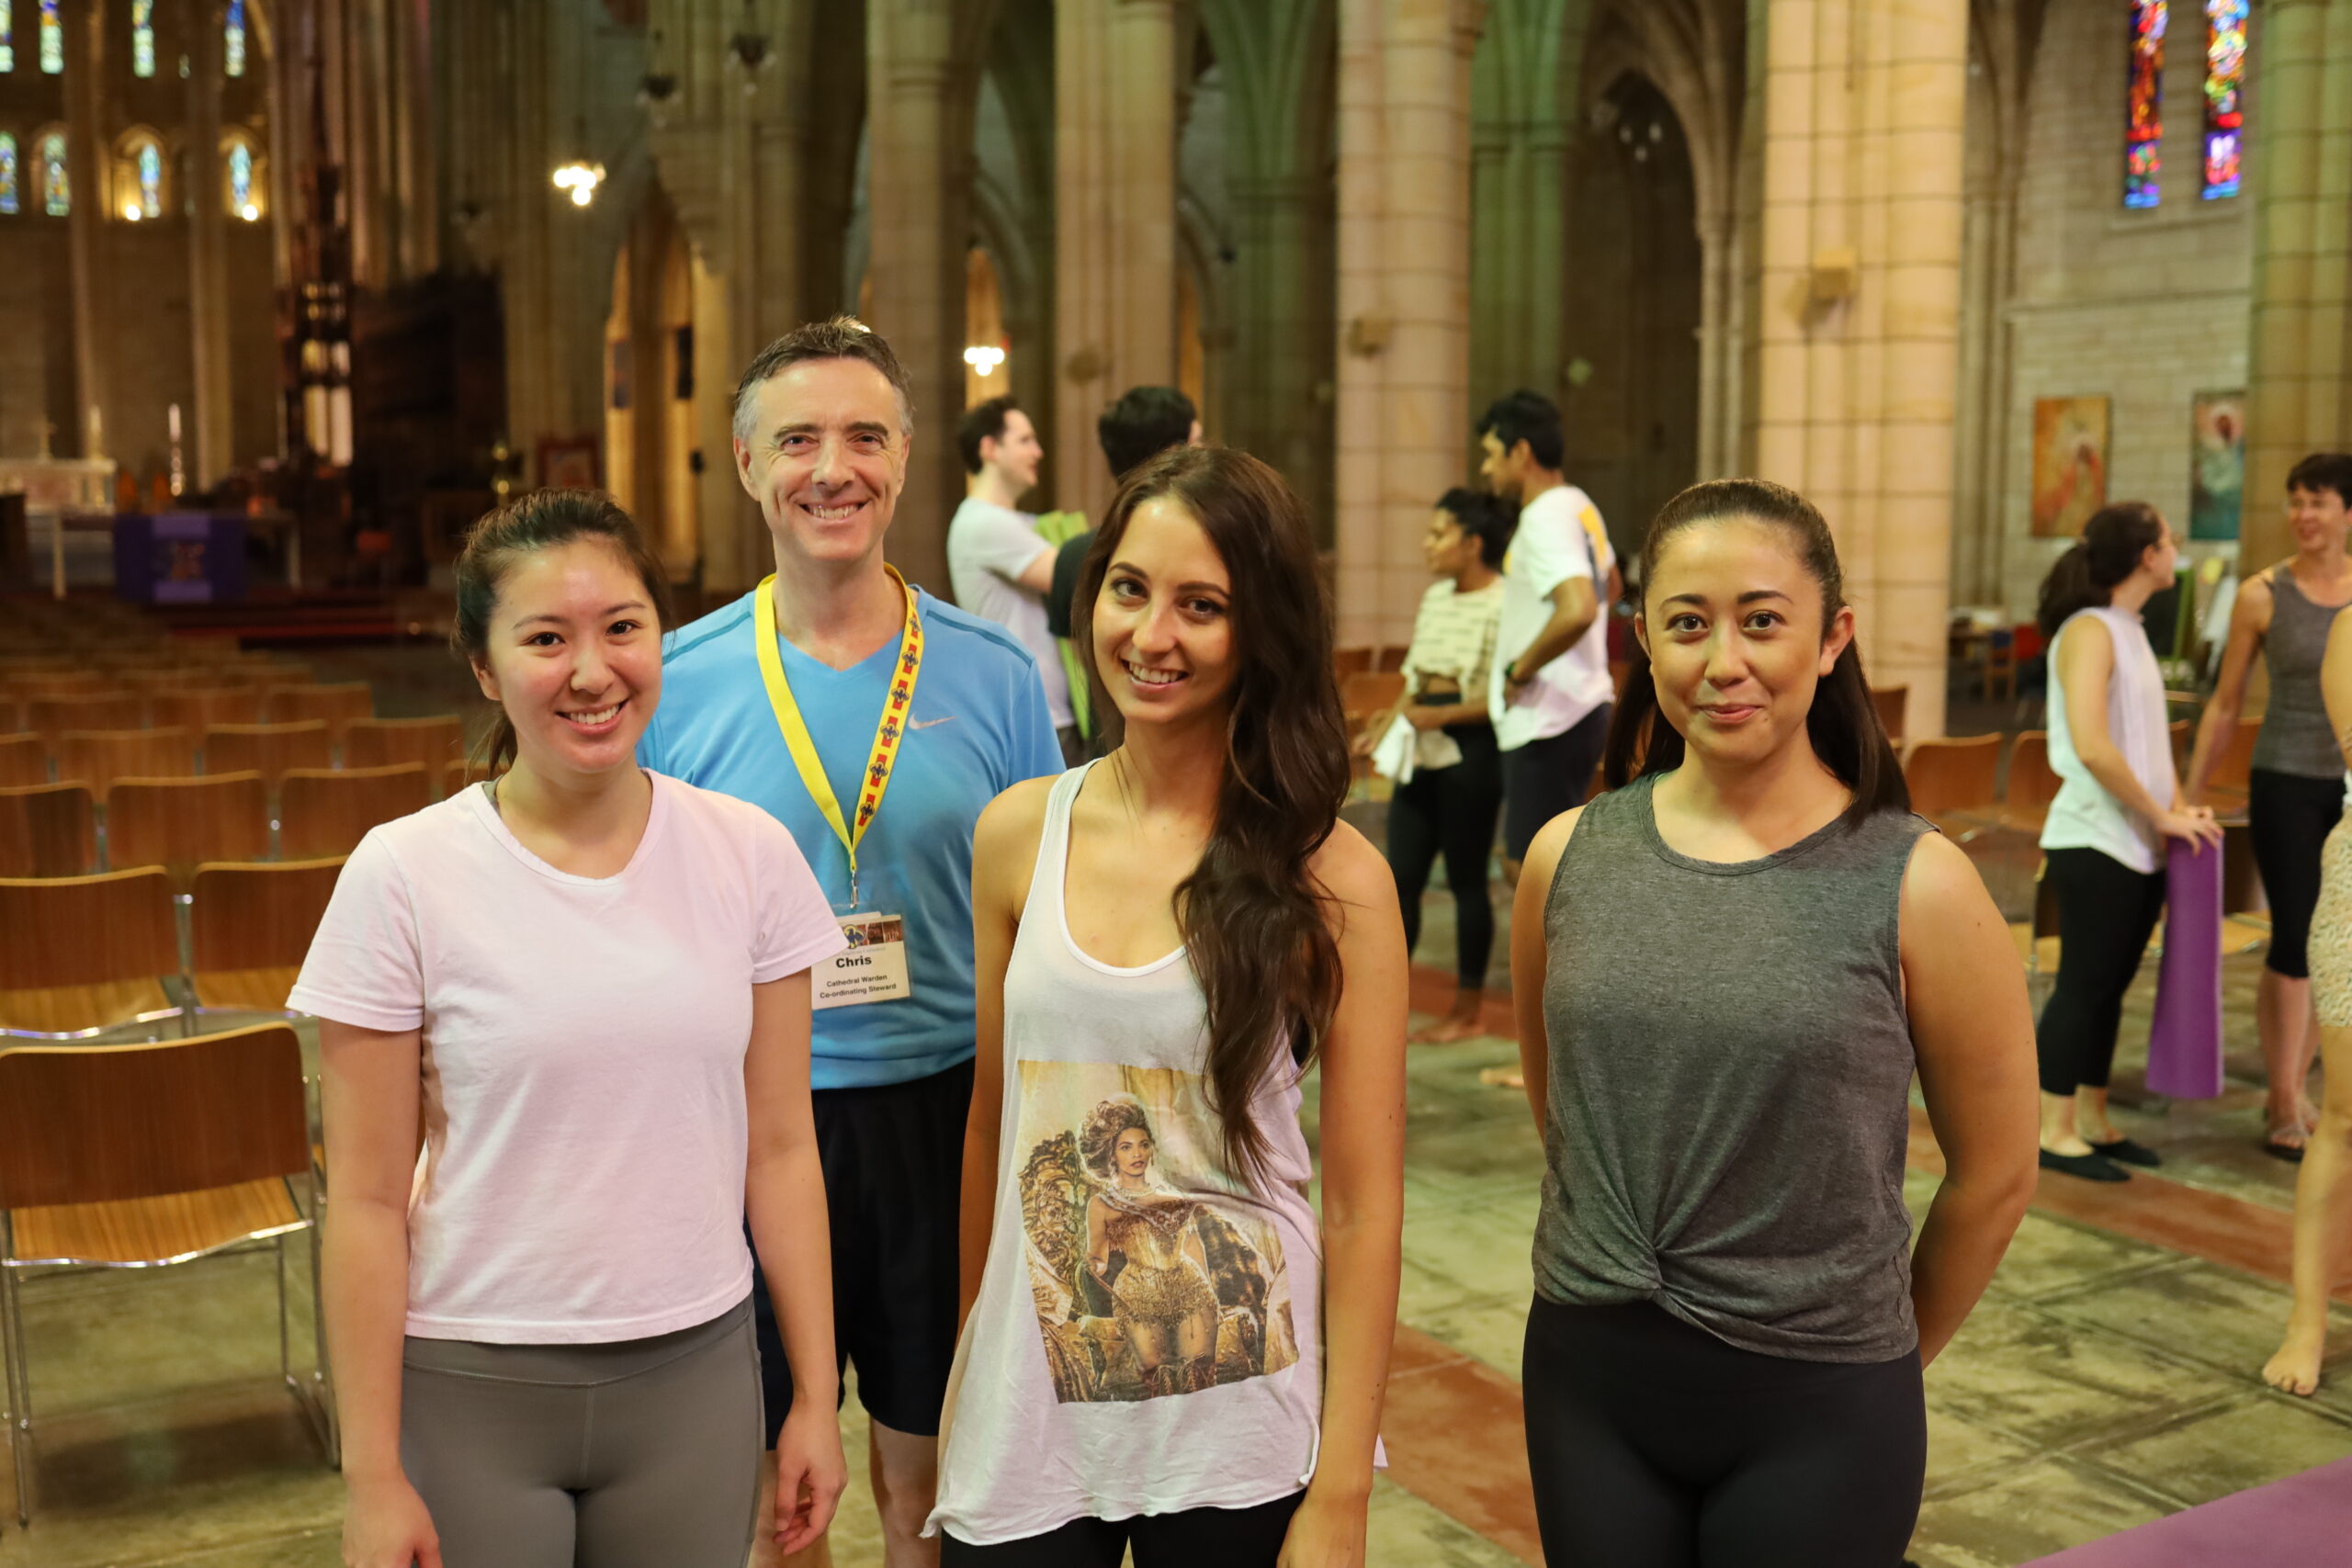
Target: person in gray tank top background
{"x": 1726, "y": 970}
{"x": 2295, "y": 791}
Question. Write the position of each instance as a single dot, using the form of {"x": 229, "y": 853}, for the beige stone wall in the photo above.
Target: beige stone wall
{"x": 2146, "y": 308}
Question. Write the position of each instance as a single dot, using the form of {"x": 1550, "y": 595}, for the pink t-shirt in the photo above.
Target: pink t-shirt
{"x": 583, "y": 1044}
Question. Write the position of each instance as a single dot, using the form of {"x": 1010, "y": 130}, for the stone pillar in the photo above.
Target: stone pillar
{"x": 2303, "y": 190}
{"x": 86, "y": 176}
{"x": 1114, "y": 222}
{"x": 1718, "y": 334}
{"x": 1270, "y": 409}
{"x": 1857, "y": 311}
{"x": 1404, "y": 270}
{"x": 1529, "y": 58}
{"x": 918, "y": 196}
{"x": 208, "y": 249}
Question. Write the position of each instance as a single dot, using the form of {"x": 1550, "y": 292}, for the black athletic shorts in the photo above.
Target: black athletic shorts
{"x": 1546, "y": 777}
{"x": 893, "y": 1164}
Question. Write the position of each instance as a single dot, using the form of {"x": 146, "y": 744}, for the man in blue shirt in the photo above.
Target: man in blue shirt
{"x": 875, "y": 722}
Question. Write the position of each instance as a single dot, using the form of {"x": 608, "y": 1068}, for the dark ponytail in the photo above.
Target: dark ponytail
{"x": 536, "y": 522}
{"x": 1843, "y": 722}
{"x": 2110, "y": 550}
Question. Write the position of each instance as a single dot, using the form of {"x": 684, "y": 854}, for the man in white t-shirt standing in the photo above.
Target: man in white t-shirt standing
{"x": 998, "y": 565}
{"x": 1549, "y": 691}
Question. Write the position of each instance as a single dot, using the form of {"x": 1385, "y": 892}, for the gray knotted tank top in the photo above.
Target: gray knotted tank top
{"x": 1731, "y": 1065}
{"x": 2296, "y": 737}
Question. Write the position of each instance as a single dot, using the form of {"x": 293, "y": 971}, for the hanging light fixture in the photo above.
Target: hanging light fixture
{"x": 656, "y": 87}
{"x": 750, "y": 48}
{"x": 579, "y": 176}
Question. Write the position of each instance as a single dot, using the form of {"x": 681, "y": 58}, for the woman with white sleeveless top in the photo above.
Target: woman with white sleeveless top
{"x": 2118, "y": 800}
{"x": 1163, "y": 1347}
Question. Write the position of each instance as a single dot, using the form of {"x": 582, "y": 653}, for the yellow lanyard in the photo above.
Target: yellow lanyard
{"x": 888, "y": 733}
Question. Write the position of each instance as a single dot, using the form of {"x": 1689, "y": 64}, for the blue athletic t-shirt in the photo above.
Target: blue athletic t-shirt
{"x": 978, "y": 727}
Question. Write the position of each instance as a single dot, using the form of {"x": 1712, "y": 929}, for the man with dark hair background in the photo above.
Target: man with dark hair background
{"x": 1144, "y": 422}
{"x": 997, "y": 563}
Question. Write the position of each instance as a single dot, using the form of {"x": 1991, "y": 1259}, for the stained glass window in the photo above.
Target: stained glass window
{"x": 233, "y": 40}
{"x": 142, "y": 38}
{"x": 241, "y": 179}
{"x": 56, "y": 192}
{"x": 8, "y": 38}
{"x": 2225, "y": 95}
{"x": 8, "y": 173}
{"x": 2143, "y": 158}
{"x": 53, "y": 39}
{"x": 151, "y": 180}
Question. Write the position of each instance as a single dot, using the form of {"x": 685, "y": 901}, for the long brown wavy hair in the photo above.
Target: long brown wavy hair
{"x": 1252, "y": 912}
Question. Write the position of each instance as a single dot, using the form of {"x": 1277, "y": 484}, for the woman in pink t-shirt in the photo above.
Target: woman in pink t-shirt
{"x": 565, "y": 1043}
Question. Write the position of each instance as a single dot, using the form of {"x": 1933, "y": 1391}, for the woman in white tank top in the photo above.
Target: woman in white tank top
{"x": 1164, "y": 1347}
{"x": 2118, "y": 801}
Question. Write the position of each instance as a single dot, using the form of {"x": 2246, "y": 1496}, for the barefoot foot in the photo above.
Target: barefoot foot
{"x": 2295, "y": 1368}
{"x": 1502, "y": 1078}
{"x": 1450, "y": 1030}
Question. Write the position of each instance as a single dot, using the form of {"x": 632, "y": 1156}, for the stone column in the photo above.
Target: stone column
{"x": 85, "y": 179}
{"x": 1404, "y": 269}
{"x": 208, "y": 249}
{"x": 1718, "y": 331}
{"x": 1270, "y": 403}
{"x": 1857, "y": 309}
{"x": 1531, "y": 53}
{"x": 2303, "y": 190}
{"x": 1114, "y": 222}
{"x": 919, "y": 197}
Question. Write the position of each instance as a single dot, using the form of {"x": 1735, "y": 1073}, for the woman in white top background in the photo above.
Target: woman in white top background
{"x": 2118, "y": 800}
{"x": 580, "y": 992}
{"x": 1164, "y": 1346}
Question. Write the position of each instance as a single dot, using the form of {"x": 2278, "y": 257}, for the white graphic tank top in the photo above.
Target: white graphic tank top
{"x": 1147, "y": 1336}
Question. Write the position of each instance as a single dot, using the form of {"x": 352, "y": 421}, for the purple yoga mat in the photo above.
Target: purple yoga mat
{"x": 2304, "y": 1521}
{"x": 2185, "y": 1040}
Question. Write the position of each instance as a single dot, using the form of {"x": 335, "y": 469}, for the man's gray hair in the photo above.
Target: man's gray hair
{"x": 842, "y": 337}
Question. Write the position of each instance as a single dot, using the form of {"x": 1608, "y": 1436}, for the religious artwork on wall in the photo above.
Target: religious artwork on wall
{"x": 2069, "y": 464}
{"x": 2216, "y": 464}
{"x": 569, "y": 464}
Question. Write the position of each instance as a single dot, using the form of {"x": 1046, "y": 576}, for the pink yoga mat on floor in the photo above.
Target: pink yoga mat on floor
{"x": 2185, "y": 1038}
{"x": 2304, "y": 1521}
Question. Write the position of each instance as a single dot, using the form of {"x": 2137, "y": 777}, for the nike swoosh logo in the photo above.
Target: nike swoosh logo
{"x": 927, "y": 723}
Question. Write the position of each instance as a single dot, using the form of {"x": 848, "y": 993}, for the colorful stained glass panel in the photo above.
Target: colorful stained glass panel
{"x": 150, "y": 181}
{"x": 53, "y": 39}
{"x": 2143, "y": 141}
{"x": 8, "y": 173}
{"x": 8, "y": 38}
{"x": 56, "y": 191}
{"x": 2225, "y": 95}
{"x": 233, "y": 40}
{"x": 240, "y": 178}
{"x": 142, "y": 38}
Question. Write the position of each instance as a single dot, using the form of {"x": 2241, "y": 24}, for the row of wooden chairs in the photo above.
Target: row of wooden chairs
{"x": 50, "y": 831}
{"x": 99, "y": 757}
{"x": 53, "y": 711}
{"x": 89, "y": 953}
{"x": 1957, "y": 782}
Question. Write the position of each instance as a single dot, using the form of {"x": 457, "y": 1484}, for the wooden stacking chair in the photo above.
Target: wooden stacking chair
{"x": 178, "y": 824}
{"x": 1367, "y": 696}
{"x": 1390, "y": 657}
{"x": 99, "y": 757}
{"x": 337, "y": 704}
{"x": 382, "y": 742}
{"x": 2231, "y": 774}
{"x": 1891, "y": 701}
{"x": 2033, "y": 786}
{"x": 86, "y": 953}
{"x": 102, "y": 709}
{"x": 249, "y": 927}
{"x": 1347, "y": 661}
{"x": 268, "y": 749}
{"x": 165, "y": 678}
{"x": 197, "y": 708}
{"x": 48, "y": 830}
{"x": 264, "y": 671}
{"x": 144, "y": 1156}
{"x": 1953, "y": 783}
{"x": 72, "y": 682}
{"x": 327, "y": 811}
{"x": 24, "y": 759}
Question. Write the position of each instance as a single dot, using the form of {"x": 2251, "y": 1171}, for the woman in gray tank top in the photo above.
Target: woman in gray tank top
{"x": 2295, "y": 789}
{"x": 1727, "y": 971}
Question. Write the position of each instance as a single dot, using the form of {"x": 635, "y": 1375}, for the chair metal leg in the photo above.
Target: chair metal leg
{"x": 20, "y": 1385}
{"x": 317, "y": 1396}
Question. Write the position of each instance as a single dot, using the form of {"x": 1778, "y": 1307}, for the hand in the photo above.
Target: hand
{"x": 2194, "y": 823}
{"x": 1367, "y": 738}
{"x": 386, "y": 1524}
{"x": 810, "y": 1474}
{"x": 1328, "y": 1531}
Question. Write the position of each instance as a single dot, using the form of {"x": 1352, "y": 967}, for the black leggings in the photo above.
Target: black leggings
{"x": 1227, "y": 1538}
{"x": 1656, "y": 1445}
{"x": 2290, "y": 817}
{"x": 2107, "y": 911}
{"x": 1451, "y": 811}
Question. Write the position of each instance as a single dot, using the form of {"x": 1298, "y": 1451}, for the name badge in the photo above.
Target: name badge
{"x": 874, "y": 969}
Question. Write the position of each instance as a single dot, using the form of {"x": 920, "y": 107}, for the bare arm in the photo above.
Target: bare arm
{"x": 2085, "y": 663}
{"x": 1574, "y": 609}
{"x": 2249, "y": 624}
{"x": 1973, "y": 1033}
{"x": 1363, "y": 1067}
{"x": 783, "y": 1199}
{"x": 2335, "y": 685}
{"x": 1038, "y": 575}
{"x": 1530, "y": 957}
{"x": 369, "y": 1089}
{"x": 1005, "y": 851}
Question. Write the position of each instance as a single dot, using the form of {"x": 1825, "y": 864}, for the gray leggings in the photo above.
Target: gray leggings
{"x": 639, "y": 1454}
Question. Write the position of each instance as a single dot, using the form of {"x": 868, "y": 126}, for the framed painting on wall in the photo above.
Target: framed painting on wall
{"x": 2216, "y": 464}
{"x": 2069, "y": 464}
{"x": 569, "y": 464}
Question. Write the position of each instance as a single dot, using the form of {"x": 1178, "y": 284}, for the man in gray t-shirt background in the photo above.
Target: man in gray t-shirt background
{"x": 998, "y": 565}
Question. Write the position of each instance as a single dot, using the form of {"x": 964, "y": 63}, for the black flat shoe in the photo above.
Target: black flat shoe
{"x": 2090, "y": 1167}
{"x": 2292, "y": 1153}
{"x": 2123, "y": 1151}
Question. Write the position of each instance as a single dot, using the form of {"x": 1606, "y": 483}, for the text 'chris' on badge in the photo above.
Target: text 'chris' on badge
{"x": 873, "y": 969}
